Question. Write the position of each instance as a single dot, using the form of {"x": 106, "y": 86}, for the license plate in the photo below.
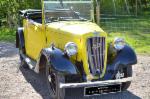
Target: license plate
{"x": 89, "y": 91}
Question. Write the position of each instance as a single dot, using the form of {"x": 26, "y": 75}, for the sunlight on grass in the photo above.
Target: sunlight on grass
{"x": 138, "y": 41}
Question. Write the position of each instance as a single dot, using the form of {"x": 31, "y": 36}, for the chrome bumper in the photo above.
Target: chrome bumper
{"x": 96, "y": 83}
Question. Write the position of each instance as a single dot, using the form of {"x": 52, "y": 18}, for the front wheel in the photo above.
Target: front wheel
{"x": 128, "y": 73}
{"x": 53, "y": 81}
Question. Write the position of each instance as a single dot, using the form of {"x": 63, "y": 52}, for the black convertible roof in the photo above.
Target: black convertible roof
{"x": 36, "y": 11}
{"x": 27, "y": 12}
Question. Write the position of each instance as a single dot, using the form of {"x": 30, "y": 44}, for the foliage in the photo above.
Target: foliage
{"x": 9, "y": 10}
{"x": 7, "y": 35}
{"x": 123, "y": 7}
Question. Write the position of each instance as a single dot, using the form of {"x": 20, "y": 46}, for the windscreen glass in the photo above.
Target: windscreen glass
{"x": 67, "y": 10}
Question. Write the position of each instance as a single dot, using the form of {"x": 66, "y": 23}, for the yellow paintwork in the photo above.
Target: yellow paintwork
{"x": 39, "y": 36}
{"x": 34, "y": 38}
{"x": 61, "y": 33}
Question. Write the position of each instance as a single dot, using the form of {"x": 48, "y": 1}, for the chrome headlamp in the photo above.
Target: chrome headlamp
{"x": 119, "y": 43}
{"x": 71, "y": 48}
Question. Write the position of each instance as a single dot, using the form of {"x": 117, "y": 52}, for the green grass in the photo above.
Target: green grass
{"x": 127, "y": 24}
{"x": 137, "y": 40}
{"x": 7, "y": 35}
{"x": 136, "y": 32}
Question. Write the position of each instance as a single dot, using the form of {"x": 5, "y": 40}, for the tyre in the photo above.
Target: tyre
{"x": 53, "y": 81}
{"x": 22, "y": 61}
{"x": 127, "y": 73}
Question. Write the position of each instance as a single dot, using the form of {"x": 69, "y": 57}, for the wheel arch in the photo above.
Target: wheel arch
{"x": 52, "y": 56}
{"x": 126, "y": 57}
{"x": 20, "y": 41}
{"x": 42, "y": 62}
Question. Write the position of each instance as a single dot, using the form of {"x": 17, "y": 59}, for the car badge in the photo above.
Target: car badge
{"x": 96, "y": 34}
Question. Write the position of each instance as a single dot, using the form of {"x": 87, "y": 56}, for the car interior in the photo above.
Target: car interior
{"x": 36, "y": 17}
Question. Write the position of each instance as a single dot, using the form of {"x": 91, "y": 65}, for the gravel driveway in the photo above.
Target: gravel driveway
{"x": 21, "y": 83}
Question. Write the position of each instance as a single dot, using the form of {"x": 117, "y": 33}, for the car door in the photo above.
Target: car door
{"x": 35, "y": 39}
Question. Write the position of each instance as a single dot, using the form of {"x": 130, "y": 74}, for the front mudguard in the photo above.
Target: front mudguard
{"x": 125, "y": 57}
{"x": 58, "y": 62}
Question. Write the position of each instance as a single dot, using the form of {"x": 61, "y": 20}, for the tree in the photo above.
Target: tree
{"x": 9, "y": 9}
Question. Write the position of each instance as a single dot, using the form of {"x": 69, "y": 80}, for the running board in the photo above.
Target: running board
{"x": 29, "y": 61}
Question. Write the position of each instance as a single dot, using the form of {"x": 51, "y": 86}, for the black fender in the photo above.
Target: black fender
{"x": 125, "y": 57}
{"x": 20, "y": 38}
{"x": 59, "y": 62}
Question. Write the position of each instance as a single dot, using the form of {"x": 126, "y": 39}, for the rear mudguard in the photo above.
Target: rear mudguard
{"x": 20, "y": 38}
{"x": 59, "y": 62}
{"x": 124, "y": 58}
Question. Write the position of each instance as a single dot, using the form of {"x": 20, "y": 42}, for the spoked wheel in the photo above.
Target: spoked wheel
{"x": 53, "y": 81}
{"x": 123, "y": 73}
{"x": 22, "y": 61}
{"x": 128, "y": 73}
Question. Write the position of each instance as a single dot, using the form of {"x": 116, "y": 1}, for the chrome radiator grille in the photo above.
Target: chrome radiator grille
{"x": 96, "y": 54}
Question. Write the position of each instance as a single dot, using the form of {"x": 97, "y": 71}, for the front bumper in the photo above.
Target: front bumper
{"x": 96, "y": 83}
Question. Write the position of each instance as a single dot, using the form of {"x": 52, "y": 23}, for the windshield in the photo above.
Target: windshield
{"x": 68, "y": 10}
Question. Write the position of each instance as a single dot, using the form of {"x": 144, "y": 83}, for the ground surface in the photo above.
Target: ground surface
{"x": 21, "y": 83}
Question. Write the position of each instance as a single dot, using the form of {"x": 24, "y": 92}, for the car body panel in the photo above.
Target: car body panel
{"x": 35, "y": 38}
{"x": 75, "y": 27}
{"x": 64, "y": 66}
{"x": 61, "y": 33}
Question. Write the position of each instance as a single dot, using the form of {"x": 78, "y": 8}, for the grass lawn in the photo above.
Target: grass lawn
{"x": 7, "y": 35}
{"x": 137, "y": 40}
{"x": 135, "y": 31}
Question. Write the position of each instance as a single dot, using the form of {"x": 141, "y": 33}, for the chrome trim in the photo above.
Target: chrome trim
{"x": 96, "y": 83}
{"x": 96, "y": 54}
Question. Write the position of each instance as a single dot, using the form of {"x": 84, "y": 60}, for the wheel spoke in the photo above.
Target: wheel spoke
{"x": 49, "y": 78}
{"x": 52, "y": 81}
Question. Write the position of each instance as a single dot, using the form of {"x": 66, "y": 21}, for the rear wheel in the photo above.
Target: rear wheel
{"x": 22, "y": 61}
{"x": 53, "y": 81}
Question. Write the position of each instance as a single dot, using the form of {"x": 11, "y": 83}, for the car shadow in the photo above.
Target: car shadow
{"x": 7, "y": 49}
{"x": 38, "y": 82}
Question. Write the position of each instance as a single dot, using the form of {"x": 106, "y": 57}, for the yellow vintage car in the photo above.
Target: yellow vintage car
{"x": 64, "y": 38}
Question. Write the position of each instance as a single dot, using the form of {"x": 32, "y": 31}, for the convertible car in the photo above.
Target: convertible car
{"x": 65, "y": 39}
